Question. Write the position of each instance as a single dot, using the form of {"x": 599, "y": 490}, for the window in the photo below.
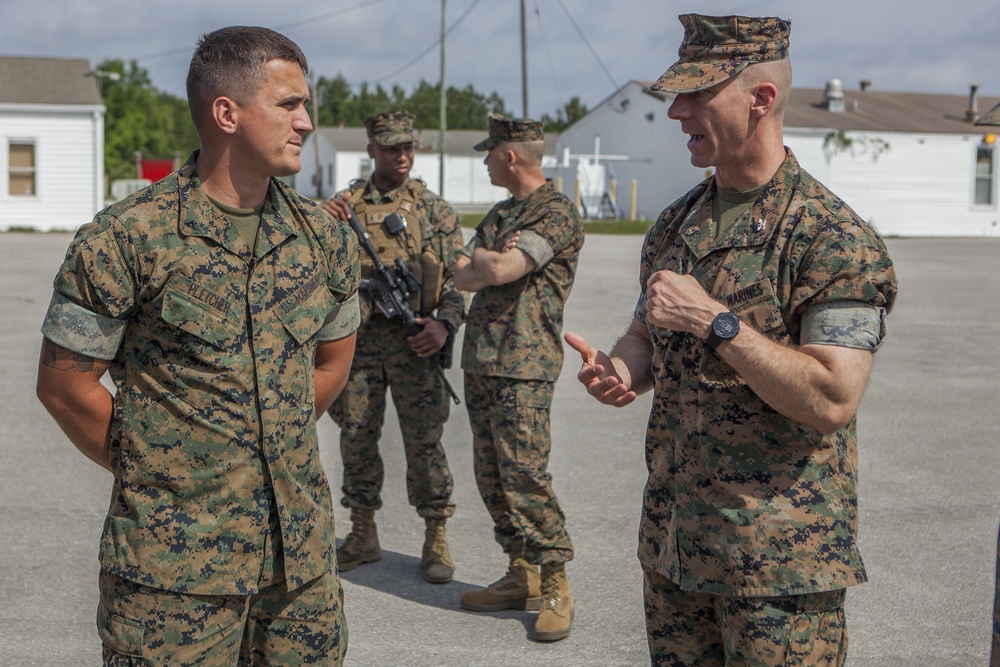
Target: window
{"x": 985, "y": 174}
{"x": 21, "y": 161}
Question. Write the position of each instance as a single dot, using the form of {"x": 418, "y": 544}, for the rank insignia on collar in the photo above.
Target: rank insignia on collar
{"x": 758, "y": 225}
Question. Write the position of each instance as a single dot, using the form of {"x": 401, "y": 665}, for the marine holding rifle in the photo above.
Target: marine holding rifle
{"x": 404, "y": 221}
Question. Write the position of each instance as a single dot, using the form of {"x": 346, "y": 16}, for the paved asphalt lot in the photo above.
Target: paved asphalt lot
{"x": 929, "y": 432}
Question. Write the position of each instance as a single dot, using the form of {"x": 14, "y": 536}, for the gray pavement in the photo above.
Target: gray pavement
{"x": 929, "y": 432}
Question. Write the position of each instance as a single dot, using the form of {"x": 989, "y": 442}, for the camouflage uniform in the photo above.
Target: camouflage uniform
{"x": 219, "y": 492}
{"x": 742, "y": 501}
{"x": 512, "y": 356}
{"x": 383, "y": 358}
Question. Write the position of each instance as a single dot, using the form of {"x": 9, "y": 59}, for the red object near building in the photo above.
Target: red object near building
{"x": 154, "y": 170}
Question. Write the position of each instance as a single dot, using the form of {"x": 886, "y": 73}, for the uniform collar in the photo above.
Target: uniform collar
{"x": 200, "y": 217}
{"x": 753, "y": 228}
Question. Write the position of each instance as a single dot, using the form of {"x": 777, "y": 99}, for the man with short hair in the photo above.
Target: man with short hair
{"x": 408, "y": 222}
{"x": 521, "y": 263}
{"x": 224, "y": 306}
{"x": 762, "y": 301}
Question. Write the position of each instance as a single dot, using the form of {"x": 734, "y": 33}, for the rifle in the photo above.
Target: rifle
{"x": 391, "y": 289}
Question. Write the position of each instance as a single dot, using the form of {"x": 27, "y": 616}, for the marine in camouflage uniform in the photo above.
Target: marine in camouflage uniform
{"x": 512, "y": 355}
{"x": 219, "y": 541}
{"x": 992, "y": 117}
{"x": 386, "y": 359}
{"x": 748, "y": 531}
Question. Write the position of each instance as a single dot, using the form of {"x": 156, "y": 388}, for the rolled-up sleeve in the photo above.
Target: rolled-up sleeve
{"x": 342, "y": 321}
{"x": 83, "y": 331}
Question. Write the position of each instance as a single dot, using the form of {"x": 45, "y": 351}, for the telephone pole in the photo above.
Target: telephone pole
{"x": 443, "y": 110}
{"x": 524, "y": 60}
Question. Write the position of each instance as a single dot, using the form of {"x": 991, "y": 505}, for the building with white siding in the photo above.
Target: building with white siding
{"x": 51, "y": 143}
{"x": 340, "y": 154}
{"x": 912, "y": 164}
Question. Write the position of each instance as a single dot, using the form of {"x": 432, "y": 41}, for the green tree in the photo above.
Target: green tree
{"x": 468, "y": 109}
{"x": 141, "y": 118}
{"x": 571, "y": 112}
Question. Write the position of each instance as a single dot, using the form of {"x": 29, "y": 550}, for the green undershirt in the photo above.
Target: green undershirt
{"x": 729, "y": 206}
{"x": 246, "y": 220}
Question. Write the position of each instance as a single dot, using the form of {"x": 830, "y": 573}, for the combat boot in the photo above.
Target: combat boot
{"x": 520, "y": 588}
{"x": 436, "y": 559}
{"x": 556, "y": 615}
{"x": 361, "y": 544}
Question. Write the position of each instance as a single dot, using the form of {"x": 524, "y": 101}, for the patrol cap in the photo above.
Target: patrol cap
{"x": 391, "y": 128}
{"x": 510, "y": 129}
{"x": 991, "y": 117}
{"x": 716, "y": 48}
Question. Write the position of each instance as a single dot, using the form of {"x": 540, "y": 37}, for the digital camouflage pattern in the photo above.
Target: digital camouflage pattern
{"x": 213, "y": 437}
{"x": 511, "y": 443}
{"x": 512, "y": 355}
{"x": 511, "y": 129}
{"x": 277, "y": 627}
{"x": 384, "y": 360}
{"x": 716, "y": 48}
{"x": 514, "y": 330}
{"x": 391, "y": 128}
{"x": 740, "y": 500}
{"x": 806, "y": 630}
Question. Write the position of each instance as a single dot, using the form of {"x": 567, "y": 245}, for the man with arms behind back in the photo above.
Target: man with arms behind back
{"x": 224, "y": 306}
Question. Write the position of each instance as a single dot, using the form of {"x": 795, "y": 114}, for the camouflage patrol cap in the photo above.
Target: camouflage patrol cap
{"x": 510, "y": 129}
{"x": 391, "y": 128}
{"x": 716, "y": 48}
{"x": 991, "y": 117}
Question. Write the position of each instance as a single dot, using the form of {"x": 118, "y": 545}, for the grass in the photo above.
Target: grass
{"x": 470, "y": 220}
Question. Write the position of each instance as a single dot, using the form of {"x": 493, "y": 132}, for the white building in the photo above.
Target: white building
{"x": 912, "y": 164}
{"x": 342, "y": 156}
{"x": 51, "y": 143}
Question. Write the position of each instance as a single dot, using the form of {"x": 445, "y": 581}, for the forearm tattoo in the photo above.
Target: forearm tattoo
{"x": 61, "y": 359}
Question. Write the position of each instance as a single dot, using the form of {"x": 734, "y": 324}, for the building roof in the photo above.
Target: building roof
{"x": 882, "y": 111}
{"x": 25, "y": 80}
{"x": 872, "y": 110}
{"x": 458, "y": 142}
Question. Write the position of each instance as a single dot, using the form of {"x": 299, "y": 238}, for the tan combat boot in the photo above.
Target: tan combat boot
{"x": 436, "y": 559}
{"x": 520, "y": 588}
{"x": 556, "y": 615}
{"x": 361, "y": 544}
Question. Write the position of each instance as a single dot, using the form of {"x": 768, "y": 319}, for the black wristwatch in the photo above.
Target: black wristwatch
{"x": 724, "y": 326}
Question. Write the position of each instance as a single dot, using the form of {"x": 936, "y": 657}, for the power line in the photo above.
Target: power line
{"x": 321, "y": 17}
{"x": 429, "y": 48}
{"x": 585, "y": 41}
{"x": 548, "y": 54}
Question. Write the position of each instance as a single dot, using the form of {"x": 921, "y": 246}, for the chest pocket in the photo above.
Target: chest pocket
{"x": 757, "y": 306}
{"x": 306, "y": 310}
{"x": 199, "y": 312}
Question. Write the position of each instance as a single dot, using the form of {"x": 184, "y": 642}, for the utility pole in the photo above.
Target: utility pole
{"x": 524, "y": 61}
{"x": 443, "y": 110}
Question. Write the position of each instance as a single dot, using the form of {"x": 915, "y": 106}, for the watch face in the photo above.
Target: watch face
{"x": 725, "y": 325}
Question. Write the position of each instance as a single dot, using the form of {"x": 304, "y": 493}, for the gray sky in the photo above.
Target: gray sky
{"x": 900, "y": 46}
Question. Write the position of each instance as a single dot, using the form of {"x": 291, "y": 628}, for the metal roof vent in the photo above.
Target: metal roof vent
{"x": 833, "y": 96}
{"x": 972, "y": 113}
